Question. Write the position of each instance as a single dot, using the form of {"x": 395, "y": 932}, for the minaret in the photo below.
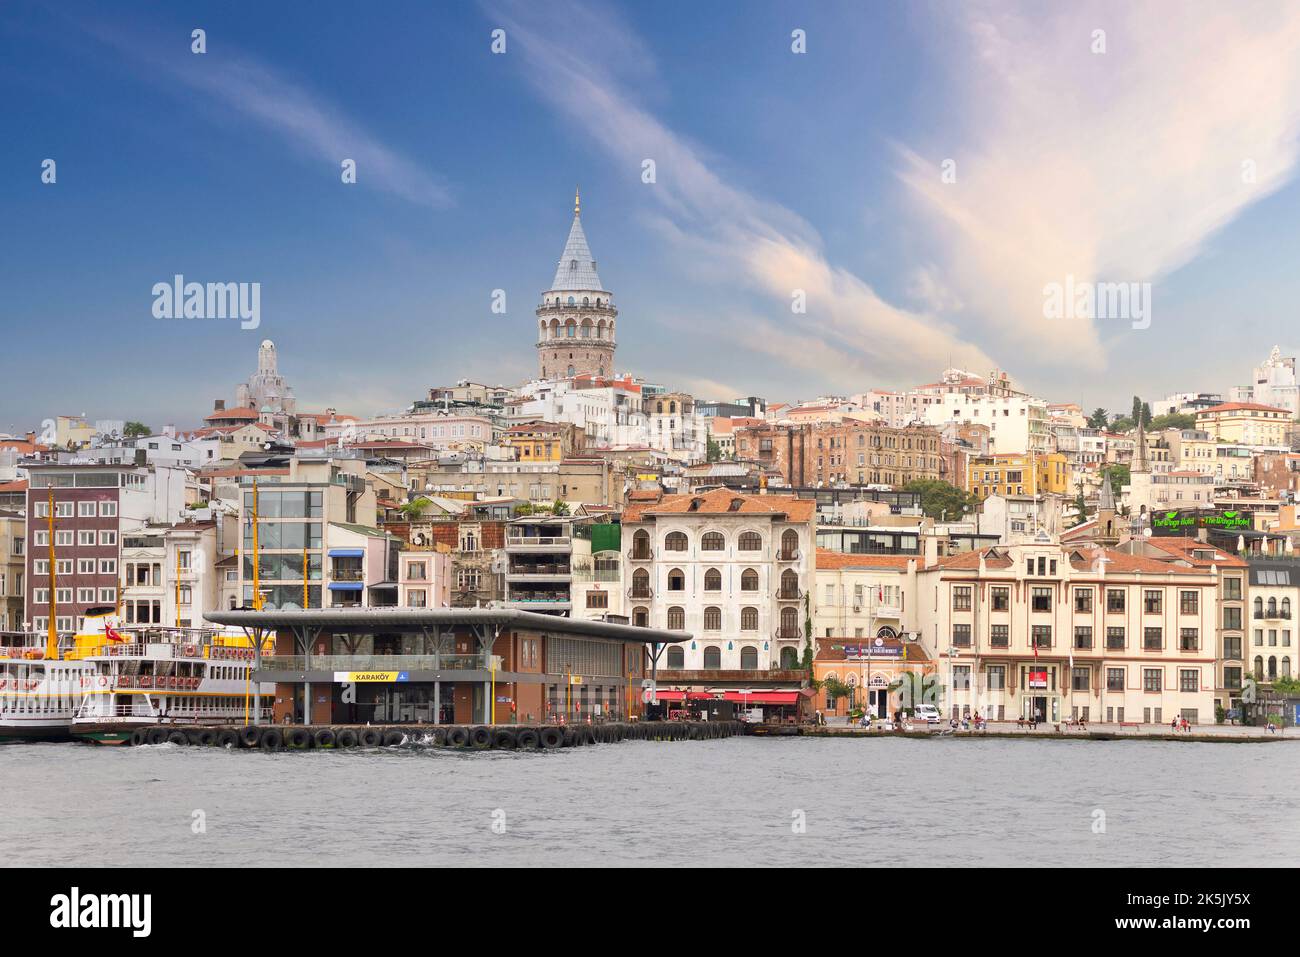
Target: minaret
{"x": 575, "y": 322}
{"x": 1139, "y": 493}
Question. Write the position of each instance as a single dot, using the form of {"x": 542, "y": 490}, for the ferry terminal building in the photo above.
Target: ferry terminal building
{"x": 451, "y": 665}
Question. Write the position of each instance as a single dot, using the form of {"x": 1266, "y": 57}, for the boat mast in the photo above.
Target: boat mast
{"x": 52, "y": 635}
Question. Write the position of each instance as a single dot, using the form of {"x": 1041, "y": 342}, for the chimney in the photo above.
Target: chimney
{"x": 219, "y": 405}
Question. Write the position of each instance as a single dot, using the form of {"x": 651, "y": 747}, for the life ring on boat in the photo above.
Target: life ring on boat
{"x": 124, "y": 681}
{"x": 146, "y": 681}
{"x": 33, "y": 683}
{"x": 103, "y": 681}
{"x": 3, "y": 683}
{"x": 189, "y": 651}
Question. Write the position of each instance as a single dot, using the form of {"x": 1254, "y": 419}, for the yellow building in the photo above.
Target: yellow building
{"x": 1018, "y": 474}
{"x": 543, "y": 441}
{"x": 1246, "y": 423}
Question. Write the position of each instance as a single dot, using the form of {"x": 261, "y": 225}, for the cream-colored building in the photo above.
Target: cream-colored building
{"x": 1120, "y": 638}
{"x": 864, "y": 596}
{"x": 732, "y": 569}
{"x": 1246, "y": 423}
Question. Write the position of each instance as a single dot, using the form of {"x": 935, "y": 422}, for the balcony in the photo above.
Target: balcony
{"x": 789, "y": 594}
{"x": 372, "y": 663}
{"x": 788, "y": 634}
{"x": 641, "y": 554}
{"x": 539, "y": 543}
{"x": 539, "y": 571}
{"x": 535, "y": 602}
{"x": 644, "y": 593}
{"x": 787, "y": 555}
{"x": 733, "y": 676}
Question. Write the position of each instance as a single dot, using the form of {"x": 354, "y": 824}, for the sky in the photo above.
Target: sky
{"x": 917, "y": 175}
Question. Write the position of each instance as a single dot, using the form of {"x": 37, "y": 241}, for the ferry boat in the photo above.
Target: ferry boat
{"x": 148, "y": 682}
{"x": 39, "y": 692}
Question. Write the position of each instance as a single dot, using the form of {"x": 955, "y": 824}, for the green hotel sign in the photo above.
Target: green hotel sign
{"x": 1178, "y": 522}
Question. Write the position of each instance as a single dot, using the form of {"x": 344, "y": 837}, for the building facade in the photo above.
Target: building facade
{"x": 576, "y": 319}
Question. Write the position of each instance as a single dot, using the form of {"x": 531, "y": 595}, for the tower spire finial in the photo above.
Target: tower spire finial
{"x": 577, "y": 203}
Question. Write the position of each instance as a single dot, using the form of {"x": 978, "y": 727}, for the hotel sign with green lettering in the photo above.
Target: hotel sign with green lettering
{"x": 1178, "y": 522}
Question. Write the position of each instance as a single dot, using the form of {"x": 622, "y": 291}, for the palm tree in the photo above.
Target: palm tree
{"x": 415, "y": 508}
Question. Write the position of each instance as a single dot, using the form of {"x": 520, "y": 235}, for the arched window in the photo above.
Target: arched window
{"x": 573, "y": 265}
{"x": 713, "y": 580}
{"x": 641, "y": 544}
{"x": 641, "y": 617}
{"x": 749, "y": 658}
{"x": 789, "y": 659}
{"x": 712, "y": 542}
{"x": 1286, "y": 607}
{"x": 570, "y": 372}
{"x": 676, "y": 618}
{"x": 1286, "y": 667}
{"x": 749, "y": 580}
{"x": 1272, "y": 667}
{"x": 712, "y": 658}
{"x": 676, "y": 657}
{"x": 1259, "y": 607}
{"x": 789, "y": 544}
{"x": 1259, "y": 668}
{"x": 586, "y": 301}
{"x": 789, "y": 583}
{"x": 789, "y": 622}
{"x": 676, "y": 580}
{"x": 640, "y": 583}
{"x": 713, "y": 618}
{"x": 1272, "y": 608}
{"x": 749, "y": 542}
{"x": 749, "y": 619}
{"x": 675, "y": 542}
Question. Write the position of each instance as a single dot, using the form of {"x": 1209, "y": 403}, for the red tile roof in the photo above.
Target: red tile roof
{"x": 1182, "y": 547}
{"x": 828, "y": 559}
{"x": 244, "y": 413}
{"x": 719, "y": 502}
{"x": 1244, "y": 407}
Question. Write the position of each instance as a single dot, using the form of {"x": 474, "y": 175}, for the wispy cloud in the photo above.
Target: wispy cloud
{"x": 1112, "y": 167}
{"x": 848, "y": 333}
{"x": 303, "y": 120}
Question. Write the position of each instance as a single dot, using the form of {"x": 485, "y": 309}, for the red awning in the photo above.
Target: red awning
{"x": 683, "y": 695}
{"x": 762, "y": 697}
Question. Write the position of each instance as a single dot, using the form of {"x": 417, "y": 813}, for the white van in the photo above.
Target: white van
{"x": 927, "y": 713}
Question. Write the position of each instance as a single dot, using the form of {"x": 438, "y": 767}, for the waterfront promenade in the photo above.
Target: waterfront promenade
{"x": 1098, "y": 732}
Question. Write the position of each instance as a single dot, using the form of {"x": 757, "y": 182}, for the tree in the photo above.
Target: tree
{"x": 1172, "y": 420}
{"x": 1099, "y": 419}
{"x": 1118, "y": 476}
{"x": 1146, "y": 415}
{"x": 1122, "y": 423}
{"x": 835, "y": 689}
{"x": 414, "y": 508}
{"x": 1136, "y": 414}
{"x": 1081, "y": 507}
{"x": 713, "y": 452}
{"x": 940, "y": 499}
{"x": 134, "y": 430}
{"x": 559, "y": 507}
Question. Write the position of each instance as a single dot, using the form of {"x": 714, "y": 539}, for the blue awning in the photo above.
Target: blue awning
{"x": 347, "y": 553}
{"x": 346, "y": 586}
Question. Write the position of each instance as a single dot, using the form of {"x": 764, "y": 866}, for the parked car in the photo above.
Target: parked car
{"x": 927, "y": 713}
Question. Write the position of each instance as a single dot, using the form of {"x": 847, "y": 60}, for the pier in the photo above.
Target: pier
{"x": 453, "y": 736}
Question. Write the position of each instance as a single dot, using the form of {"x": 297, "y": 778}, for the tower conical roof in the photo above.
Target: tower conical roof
{"x": 576, "y": 269}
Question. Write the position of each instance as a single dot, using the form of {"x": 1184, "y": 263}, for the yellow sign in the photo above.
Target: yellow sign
{"x": 575, "y": 679}
{"x": 371, "y": 676}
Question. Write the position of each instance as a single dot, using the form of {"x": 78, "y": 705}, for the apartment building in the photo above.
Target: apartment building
{"x": 424, "y": 579}
{"x": 1018, "y": 424}
{"x": 1247, "y": 423}
{"x": 1230, "y": 603}
{"x": 1041, "y": 630}
{"x": 1019, "y": 475}
{"x": 94, "y": 506}
{"x": 848, "y": 451}
{"x": 1274, "y": 598}
{"x": 317, "y": 506}
{"x": 13, "y": 569}
{"x": 539, "y": 553}
{"x": 860, "y": 598}
{"x": 732, "y": 569}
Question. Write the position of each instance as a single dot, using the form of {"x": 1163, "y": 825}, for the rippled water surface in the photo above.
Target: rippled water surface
{"x": 865, "y": 802}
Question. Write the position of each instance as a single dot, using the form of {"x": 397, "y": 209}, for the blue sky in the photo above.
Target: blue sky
{"x": 775, "y": 171}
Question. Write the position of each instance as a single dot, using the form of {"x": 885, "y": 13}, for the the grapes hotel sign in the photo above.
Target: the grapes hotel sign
{"x": 1180, "y": 522}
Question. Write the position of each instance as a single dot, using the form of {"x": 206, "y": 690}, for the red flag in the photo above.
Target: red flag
{"x": 112, "y": 633}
